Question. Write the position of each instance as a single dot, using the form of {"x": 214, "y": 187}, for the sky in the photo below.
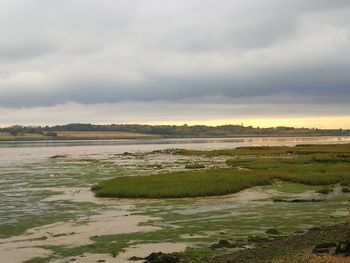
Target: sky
{"x": 261, "y": 63}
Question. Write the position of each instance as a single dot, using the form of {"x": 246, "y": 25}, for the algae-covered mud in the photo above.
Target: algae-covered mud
{"x": 49, "y": 214}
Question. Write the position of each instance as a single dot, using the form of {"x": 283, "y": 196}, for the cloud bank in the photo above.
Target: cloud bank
{"x": 170, "y": 53}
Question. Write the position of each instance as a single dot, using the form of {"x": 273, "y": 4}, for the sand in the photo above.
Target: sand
{"x": 24, "y": 247}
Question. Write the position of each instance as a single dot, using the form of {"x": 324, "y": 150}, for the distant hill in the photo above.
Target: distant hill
{"x": 175, "y": 131}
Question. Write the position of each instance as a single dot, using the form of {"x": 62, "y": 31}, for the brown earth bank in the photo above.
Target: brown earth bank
{"x": 326, "y": 244}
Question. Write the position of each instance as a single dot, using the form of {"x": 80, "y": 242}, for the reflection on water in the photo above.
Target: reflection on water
{"x": 248, "y": 140}
{"x": 34, "y": 150}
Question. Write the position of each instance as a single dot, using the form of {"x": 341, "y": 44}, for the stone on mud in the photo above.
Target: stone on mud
{"x": 343, "y": 247}
{"x": 160, "y": 257}
{"x": 222, "y": 244}
{"x": 272, "y": 231}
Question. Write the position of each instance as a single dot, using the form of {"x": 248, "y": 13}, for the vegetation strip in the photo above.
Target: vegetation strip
{"x": 247, "y": 167}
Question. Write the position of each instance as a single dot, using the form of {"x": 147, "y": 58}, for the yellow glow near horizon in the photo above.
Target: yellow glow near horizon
{"x": 330, "y": 122}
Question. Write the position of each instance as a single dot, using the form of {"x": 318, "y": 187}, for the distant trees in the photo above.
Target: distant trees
{"x": 15, "y": 130}
{"x": 175, "y": 131}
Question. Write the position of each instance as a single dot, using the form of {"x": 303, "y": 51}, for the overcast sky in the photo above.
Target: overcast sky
{"x": 162, "y": 61}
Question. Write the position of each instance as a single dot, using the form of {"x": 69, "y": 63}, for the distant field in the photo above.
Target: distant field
{"x": 5, "y": 136}
{"x": 101, "y": 135}
{"x": 75, "y": 135}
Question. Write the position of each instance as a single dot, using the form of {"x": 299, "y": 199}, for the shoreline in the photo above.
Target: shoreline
{"x": 150, "y": 138}
{"x": 315, "y": 245}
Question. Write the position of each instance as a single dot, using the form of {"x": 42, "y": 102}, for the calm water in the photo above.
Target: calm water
{"x": 33, "y": 151}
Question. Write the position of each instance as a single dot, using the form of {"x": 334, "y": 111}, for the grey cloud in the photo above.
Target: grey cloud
{"x": 113, "y": 51}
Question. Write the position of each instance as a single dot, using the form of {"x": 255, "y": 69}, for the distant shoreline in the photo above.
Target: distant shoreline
{"x": 100, "y": 137}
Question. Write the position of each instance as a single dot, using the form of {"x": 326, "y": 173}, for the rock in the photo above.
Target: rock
{"x": 160, "y": 257}
{"x": 343, "y": 247}
{"x": 314, "y": 229}
{"x": 278, "y": 200}
{"x": 323, "y": 248}
{"x": 58, "y": 156}
{"x": 222, "y": 244}
{"x": 257, "y": 239}
{"x": 272, "y": 231}
{"x": 320, "y": 250}
{"x": 134, "y": 258}
{"x": 326, "y": 245}
{"x": 59, "y": 235}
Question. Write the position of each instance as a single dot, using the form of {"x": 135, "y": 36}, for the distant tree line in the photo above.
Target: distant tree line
{"x": 176, "y": 131}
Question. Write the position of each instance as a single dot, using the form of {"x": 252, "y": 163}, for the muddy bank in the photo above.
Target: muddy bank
{"x": 318, "y": 244}
{"x": 27, "y": 246}
{"x": 294, "y": 248}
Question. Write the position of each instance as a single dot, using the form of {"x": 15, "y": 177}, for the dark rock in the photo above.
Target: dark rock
{"x": 324, "y": 248}
{"x": 160, "y": 257}
{"x": 277, "y": 200}
{"x": 272, "y": 231}
{"x": 59, "y": 235}
{"x": 343, "y": 247}
{"x": 101, "y": 260}
{"x": 257, "y": 239}
{"x": 58, "y": 156}
{"x": 222, "y": 244}
{"x": 134, "y": 258}
{"x": 326, "y": 245}
{"x": 314, "y": 229}
{"x": 320, "y": 250}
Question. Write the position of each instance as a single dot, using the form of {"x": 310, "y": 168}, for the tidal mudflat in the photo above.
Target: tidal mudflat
{"x": 49, "y": 214}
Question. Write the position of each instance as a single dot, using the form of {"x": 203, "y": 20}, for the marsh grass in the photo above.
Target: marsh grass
{"x": 315, "y": 165}
{"x": 341, "y": 150}
{"x": 181, "y": 184}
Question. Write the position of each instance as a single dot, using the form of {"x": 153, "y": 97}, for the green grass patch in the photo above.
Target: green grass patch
{"x": 339, "y": 150}
{"x": 314, "y": 165}
{"x": 180, "y": 184}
